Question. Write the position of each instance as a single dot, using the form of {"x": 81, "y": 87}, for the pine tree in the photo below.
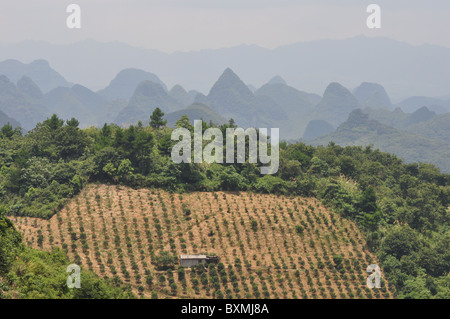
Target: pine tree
{"x": 156, "y": 119}
{"x": 371, "y": 214}
{"x": 184, "y": 122}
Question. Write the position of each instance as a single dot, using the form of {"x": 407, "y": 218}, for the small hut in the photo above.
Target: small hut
{"x": 193, "y": 260}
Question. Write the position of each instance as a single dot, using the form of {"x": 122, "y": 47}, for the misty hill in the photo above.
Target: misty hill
{"x": 29, "y": 89}
{"x": 251, "y": 88}
{"x": 316, "y": 128}
{"x": 26, "y": 103}
{"x": 439, "y": 106}
{"x": 125, "y": 83}
{"x": 314, "y": 98}
{"x": 23, "y": 103}
{"x": 5, "y": 119}
{"x": 146, "y": 98}
{"x": 398, "y": 118}
{"x": 277, "y": 80}
{"x": 306, "y": 65}
{"x": 231, "y": 98}
{"x": 359, "y": 129}
{"x": 291, "y": 100}
{"x": 183, "y": 97}
{"x": 195, "y": 111}
{"x": 422, "y": 122}
{"x": 421, "y": 115}
{"x": 78, "y": 101}
{"x": 65, "y": 104}
{"x": 336, "y": 104}
{"x": 230, "y": 95}
{"x": 438, "y": 127}
{"x": 372, "y": 95}
{"x": 294, "y": 103}
{"x": 39, "y": 71}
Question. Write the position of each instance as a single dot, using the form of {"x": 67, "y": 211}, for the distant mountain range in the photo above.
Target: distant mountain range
{"x": 232, "y": 98}
{"x": 39, "y": 70}
{"x": 274, "y": 103}
{"x": 412, "y": 128}
{"x": 411, "y": 104}
{"x": 404, "y": 70}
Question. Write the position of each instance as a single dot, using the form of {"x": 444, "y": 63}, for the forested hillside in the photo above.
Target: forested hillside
{"x": 402, "y": 209}
{"x": 421, "y": 142}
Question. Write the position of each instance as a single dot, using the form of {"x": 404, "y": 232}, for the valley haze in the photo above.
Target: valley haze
{"x": 403, "y": 69}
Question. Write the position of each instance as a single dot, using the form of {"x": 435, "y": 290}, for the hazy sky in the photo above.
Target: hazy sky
{"x": 183, "y": 25}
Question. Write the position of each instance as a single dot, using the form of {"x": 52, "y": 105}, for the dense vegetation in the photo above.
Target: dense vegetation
{"x": 402, "y": 208}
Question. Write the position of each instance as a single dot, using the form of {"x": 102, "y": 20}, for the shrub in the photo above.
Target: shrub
{"x": 149, "y": 280}
{"x": 181, "y": 274}
{"x": 165, "y": 261}
{"x": 254, "y": 225}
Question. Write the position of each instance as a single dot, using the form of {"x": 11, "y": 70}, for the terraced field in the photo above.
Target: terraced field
{"x": 269, "y": 246}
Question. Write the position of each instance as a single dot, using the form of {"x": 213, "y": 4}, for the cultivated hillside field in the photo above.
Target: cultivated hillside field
{"x": 269, "y": 246}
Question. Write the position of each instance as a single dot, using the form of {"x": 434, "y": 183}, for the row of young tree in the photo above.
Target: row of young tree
{"x": 402, "y": 207}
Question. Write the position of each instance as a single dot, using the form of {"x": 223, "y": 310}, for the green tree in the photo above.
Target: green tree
{"x": 156, "y": 119}
{"x": 368, "y": 207}
{"x": 368, "y": 202}
{"x": 7, "y": 131}
{"x": 104, "y": 138}
{"x": 106, "y": 157}
{"x": 289, "y": 169}
{"x": 165, "y": 145}
{"x": 184, "y": 122}
{"x": 54, "y": 122}
{"x": 399, "y": 241}
{"x": 125, "y": 169}
{"x": 70, "y": 141}
{"x": 165, "y": 261}
{"x": 230, "y": 179}
{"x": 10, "y": 240}
{"x": 39, "y": 173}
{"x": 73, "y": 122}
